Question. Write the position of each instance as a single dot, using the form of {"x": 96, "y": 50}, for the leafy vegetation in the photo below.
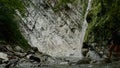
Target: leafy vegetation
{"x": 9, "y": 27}
{"x": 103, "y": 19}
{"x": 63, "y": 4}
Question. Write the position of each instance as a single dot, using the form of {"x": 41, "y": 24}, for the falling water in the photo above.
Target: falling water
{"x": 84, "y": 26}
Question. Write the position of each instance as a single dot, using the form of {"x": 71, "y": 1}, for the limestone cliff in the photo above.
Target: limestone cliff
{"x": 57, "y": 33}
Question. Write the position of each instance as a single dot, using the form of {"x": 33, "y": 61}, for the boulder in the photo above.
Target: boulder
{"x": 3, "y": 48}
{"x": 33, "y": 58}
{"x": 3, "y": 56}
{"x": 84, "y": 61}
{"x": 19, "y": 49}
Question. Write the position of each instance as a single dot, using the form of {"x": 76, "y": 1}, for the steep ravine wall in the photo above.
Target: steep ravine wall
{"x": 59, "y": 34}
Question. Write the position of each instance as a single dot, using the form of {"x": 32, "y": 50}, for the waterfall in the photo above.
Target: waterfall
{"x": 56, "y": 33}
{"x": 85, "y": 24}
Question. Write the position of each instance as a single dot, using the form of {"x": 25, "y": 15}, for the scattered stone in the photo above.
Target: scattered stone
{"x": 93, "y": 55}
{"x": 63, "y": 62}
{"x": 84, "y": 61}
{"x": 90, "y": 66}
{"x": 35, "y": 49}
{"x": 3, "y": 56}
{"x": 3, "y": 48}
{"x": 13, "y": 61}
{"x": 18, "y": 49}
{"x": 34, "y": 58}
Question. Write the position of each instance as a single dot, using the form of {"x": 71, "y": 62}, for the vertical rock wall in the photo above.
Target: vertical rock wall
{"x": 60, "y": 33}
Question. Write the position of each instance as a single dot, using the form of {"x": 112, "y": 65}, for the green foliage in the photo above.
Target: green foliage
{"x": 105, "y": 18}
{"x": 9, "y": 26}
{"x": 84, "y": 4}
{"x": 62, "y": 3}
{"x": 12, "y": 5}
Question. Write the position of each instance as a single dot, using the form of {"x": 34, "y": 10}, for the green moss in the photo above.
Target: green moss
{"x": 62, "y": 4}
{"x": 105, "y": 17}
{"x": 9, "y": 26}
{"x": 84, "y": 4}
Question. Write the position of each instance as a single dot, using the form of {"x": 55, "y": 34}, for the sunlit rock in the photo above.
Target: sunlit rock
{"x": 57, "y": 33}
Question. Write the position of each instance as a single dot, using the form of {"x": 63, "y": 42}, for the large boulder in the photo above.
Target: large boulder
{"x": 3, "y": 56}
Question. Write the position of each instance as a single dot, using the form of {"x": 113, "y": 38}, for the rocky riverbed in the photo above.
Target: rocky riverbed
{"x": 18, "y": 58}
{"x": 33, "y": 65}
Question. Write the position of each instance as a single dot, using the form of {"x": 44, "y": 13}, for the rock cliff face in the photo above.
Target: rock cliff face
{"x": 57, "y": 33}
